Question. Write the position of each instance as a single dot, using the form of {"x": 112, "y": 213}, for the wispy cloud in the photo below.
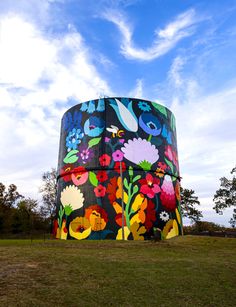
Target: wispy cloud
{"x": 165, "y": 39}
{"x": 138, "y": 90}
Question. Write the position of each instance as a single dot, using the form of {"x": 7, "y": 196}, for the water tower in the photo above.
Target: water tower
{"x": 118, "y": 171}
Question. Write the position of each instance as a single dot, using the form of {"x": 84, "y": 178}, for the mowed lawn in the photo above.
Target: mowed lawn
{"x": 183, "y": 271}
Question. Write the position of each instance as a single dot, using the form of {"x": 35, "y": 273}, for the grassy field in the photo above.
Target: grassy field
{"x": 184, "y": 271}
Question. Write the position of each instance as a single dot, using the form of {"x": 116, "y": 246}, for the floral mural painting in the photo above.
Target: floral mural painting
{"x": 118, "y": 152}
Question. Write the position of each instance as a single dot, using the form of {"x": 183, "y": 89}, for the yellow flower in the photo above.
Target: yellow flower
{"x": 138, "y": 201}
{"x": 64, "y": 231}
{"x": 159, "y": 173}
{"x": 137, "y": 231}
{"x": 72, "y": 196}
{"x": 171, "y": 229}
{"x": 80, "y": 228}
{"x": 126, "y": 233}
{"x": 178, "y": 216}
{"x": 140, "y": 206}
{"x": 119, "y": 192}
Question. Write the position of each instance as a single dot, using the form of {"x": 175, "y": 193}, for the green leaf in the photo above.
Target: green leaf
{"x": 160, "y": 108}
{"x": 136, "y": 178}
{"x": 93, "y": 142}
{"x": 71, "y": 157}
{"x": 170, "y": 165}
{"x": 135, "y": 189}
{"x": 131, "y": 172}
{"x": 60, "y": 213}
{"x": 68, "y": 210}
{"x": 172, "y": 122}
{"x": 93, "y": 179}
{"x": 145, "y": 165}
{"x": 126, "y": 183}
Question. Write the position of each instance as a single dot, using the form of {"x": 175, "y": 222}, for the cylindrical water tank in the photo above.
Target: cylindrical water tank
{"x": 118, "y": 171}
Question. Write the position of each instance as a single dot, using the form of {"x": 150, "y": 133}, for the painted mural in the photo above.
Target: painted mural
{"x": 99, "y": 140}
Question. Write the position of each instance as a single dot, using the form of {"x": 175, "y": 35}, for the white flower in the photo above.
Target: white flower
{"x": 72, "y": 196}
{"x": 164, "y": 216}
{"x": 138, "y": 150}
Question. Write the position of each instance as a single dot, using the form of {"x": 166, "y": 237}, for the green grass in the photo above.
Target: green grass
{"x": 184, "y": 271}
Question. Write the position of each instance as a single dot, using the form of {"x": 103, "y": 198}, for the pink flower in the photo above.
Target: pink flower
{"x": 79, "y": 175}
{"x": 122, "y": 141}
{"x": 117, "y": 155}
{"x": 171, "y": 155}
{"x": 100, "y": 191}
{"x": 150, "y": 186}
{"x": 168, "y": 152}
{"x": 107, "y": 139}
{"x": 168, "y": 194}
{"x": 105, "y": 160}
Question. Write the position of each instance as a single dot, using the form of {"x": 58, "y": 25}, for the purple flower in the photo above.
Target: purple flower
{"x": 145, "y": 157}
{"x": 85, "y": 154}
{"x": 117, "y": 155}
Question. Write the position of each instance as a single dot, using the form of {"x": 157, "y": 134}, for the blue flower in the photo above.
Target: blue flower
{"x": 144, "y": 106}
{"x": 70, "y": 121}
{"x": 94, "y": 126}
{"x": 91, "y": 107}
{"x": 150, "y": 124}
{"x": 84, "y": 106}
{"x": 101, "y": 105}
{"x": 74, "y": 138}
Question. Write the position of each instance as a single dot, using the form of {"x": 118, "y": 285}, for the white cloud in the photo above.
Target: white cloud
{"x": 175, "y": 70}
{"x": 24, "y": 54}
{"x": 138, "y": 90}
{"x": 206, "y": 142}
{"x": 165, "y": 40}
{"x": 38, "y": 74}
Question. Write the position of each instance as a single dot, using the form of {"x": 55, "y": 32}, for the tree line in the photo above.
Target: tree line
{"x": 21, "y": 215}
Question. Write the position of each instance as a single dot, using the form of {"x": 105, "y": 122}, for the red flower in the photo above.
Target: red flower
{"x": 55, "y": 227}
{"x": 66, "y": 171}
{"x": 150, "y": 186}
{"x": 105, "y": 160}
{"x": 111, "y": 189}
{"x": 150, "y": 215}
{"x": 162, "y": 166}
{"x": 100, "y": 191}
{"x": 102, "y": 176}
{"x": 117, "y": 167}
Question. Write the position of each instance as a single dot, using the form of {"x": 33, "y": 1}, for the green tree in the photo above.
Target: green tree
{"x": 25, "y": 215}
{"x": 8, "y": 198}
{"x": 48, "y": 190}
{"x": 188, "y": 203}
{"x": 225, "y": 196}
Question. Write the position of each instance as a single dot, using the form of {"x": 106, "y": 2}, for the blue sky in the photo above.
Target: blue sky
{"x": 55, "y": 53}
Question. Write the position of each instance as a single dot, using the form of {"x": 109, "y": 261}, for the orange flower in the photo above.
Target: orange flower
{"x": 97, "y": 217}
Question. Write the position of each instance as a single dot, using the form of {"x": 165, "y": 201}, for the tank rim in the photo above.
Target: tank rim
{"x": 118, "y": 97}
